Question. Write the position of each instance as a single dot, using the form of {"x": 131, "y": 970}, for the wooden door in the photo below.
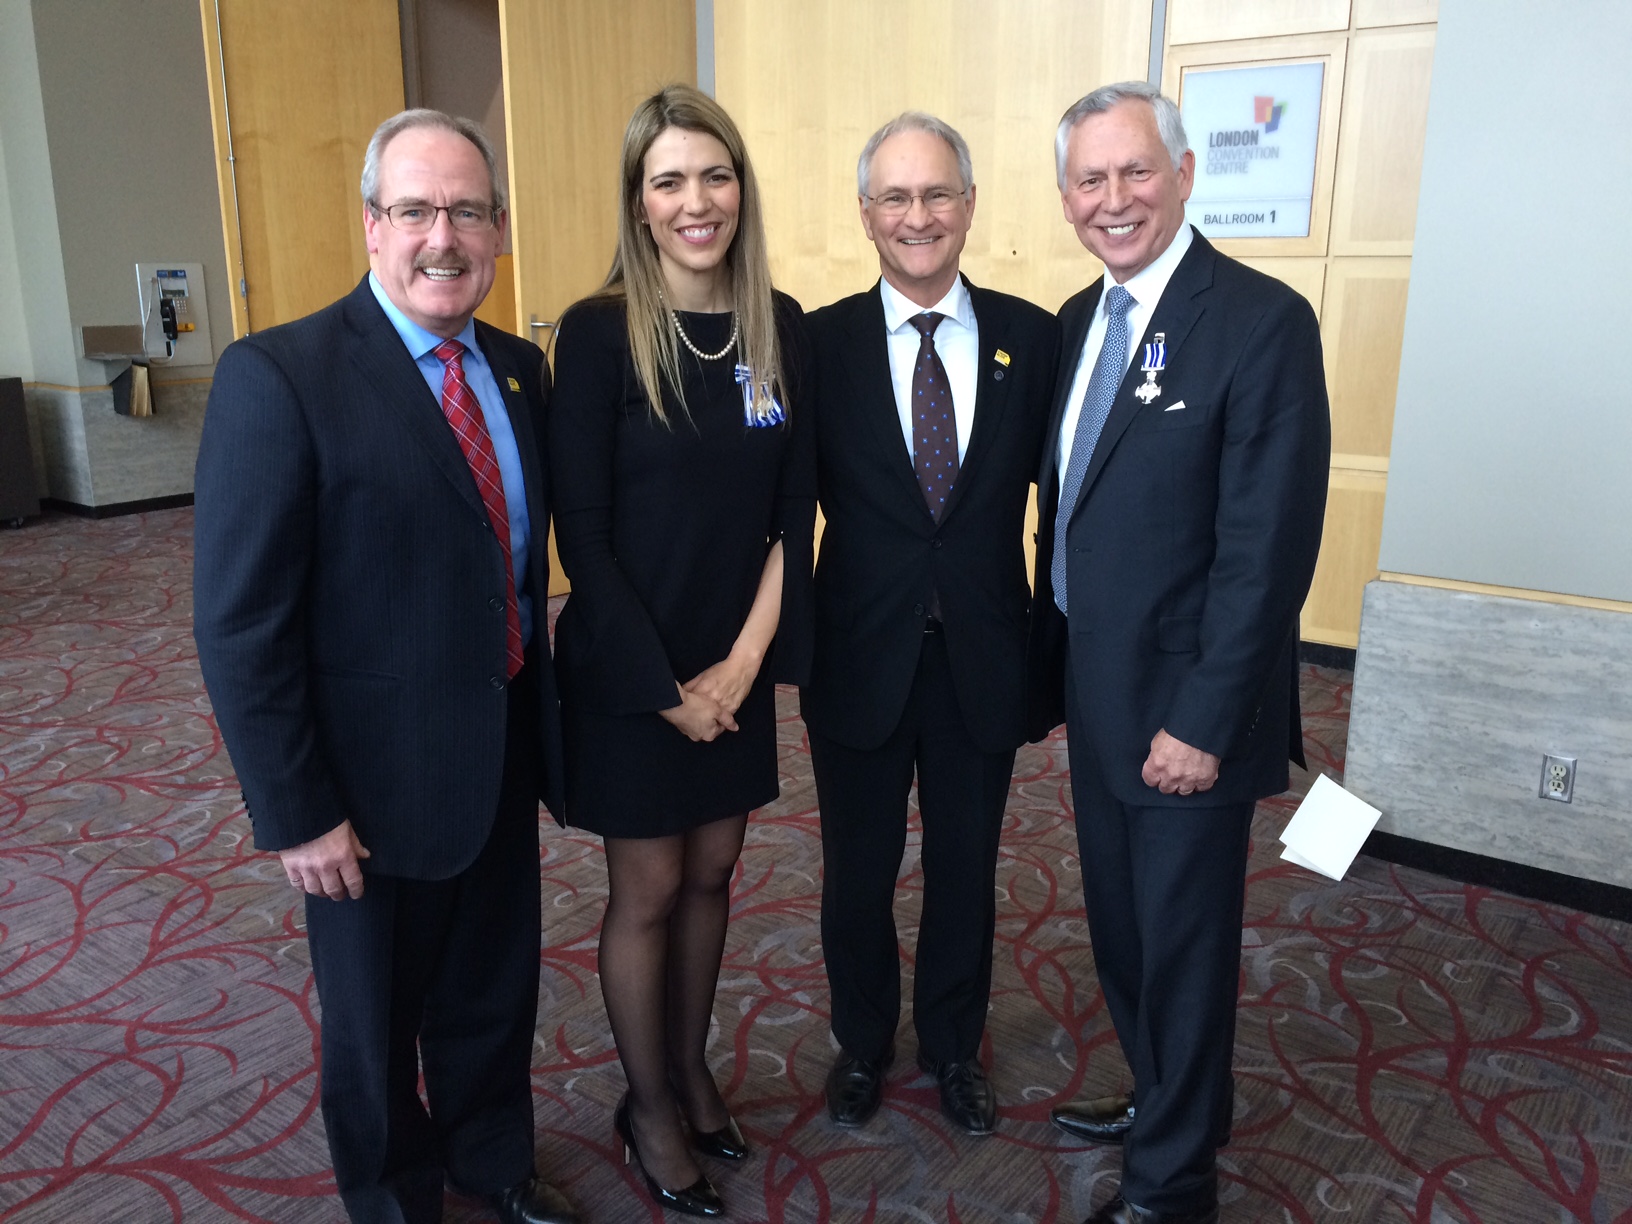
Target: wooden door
{"x": 304, "y": 84}
{"x": 573, "y": 72}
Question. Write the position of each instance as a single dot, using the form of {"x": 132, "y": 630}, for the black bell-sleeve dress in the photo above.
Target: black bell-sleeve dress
{"x": 663, "y": 532}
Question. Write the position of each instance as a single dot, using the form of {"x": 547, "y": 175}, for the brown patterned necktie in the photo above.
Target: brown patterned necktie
{"x": 934, "y": 424}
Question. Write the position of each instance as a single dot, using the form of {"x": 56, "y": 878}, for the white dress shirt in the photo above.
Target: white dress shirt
{"x": 957, "y": 340}
{"x": 1146, "y": 286}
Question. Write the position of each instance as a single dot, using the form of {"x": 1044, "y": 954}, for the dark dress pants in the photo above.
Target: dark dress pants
{"x": 1165, "y": 889}
{"x": 439, "y": 974}
{"x": 863, "y": 798}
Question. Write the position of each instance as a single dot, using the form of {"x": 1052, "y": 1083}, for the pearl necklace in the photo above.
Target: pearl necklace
{"x": 700, "y": 355}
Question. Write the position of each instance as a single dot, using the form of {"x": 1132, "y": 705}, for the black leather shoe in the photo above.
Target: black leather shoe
{"x": 698, "y": 1199}
{"x": 1120, "y": 1211}
{"x": 533, "y": 1201}
{"x": 726, "y": 1143}
{"x": 855, "y": 1086}
{"x": 1099, "y": 1120}
{"x": 967, "y": 1098}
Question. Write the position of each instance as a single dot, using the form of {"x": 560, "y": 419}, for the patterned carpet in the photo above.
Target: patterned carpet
{"x": 1410, "y": 1049}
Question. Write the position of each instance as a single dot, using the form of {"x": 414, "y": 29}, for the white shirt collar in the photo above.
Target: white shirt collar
{"x": 1147, "y": 284}
{"x": 898, "y": 308}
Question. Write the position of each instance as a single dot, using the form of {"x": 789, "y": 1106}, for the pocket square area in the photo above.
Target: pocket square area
{"x": 1174, "y": 407}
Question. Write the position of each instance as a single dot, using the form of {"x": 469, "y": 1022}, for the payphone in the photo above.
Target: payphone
{"x": 175, "y": 316}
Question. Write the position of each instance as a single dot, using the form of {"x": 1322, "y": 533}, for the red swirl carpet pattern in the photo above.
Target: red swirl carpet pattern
{"x": 1410, "y": 1049}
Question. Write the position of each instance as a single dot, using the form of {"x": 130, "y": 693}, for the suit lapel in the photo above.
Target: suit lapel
{"x": 1175, "y": 315}
{"x": 991, "y": 391}
{"x": 388, "y": 368}
{"x": 873, "y": 389}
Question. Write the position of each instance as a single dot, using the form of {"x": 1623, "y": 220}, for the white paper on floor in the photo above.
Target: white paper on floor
{"x": 1328, "y": 829}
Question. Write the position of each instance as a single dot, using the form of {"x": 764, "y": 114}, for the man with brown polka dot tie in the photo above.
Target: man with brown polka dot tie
{"x": 933, "y": 399}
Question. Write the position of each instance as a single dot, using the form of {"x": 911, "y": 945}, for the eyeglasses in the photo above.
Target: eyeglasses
{"x": 415, "y": 218}
{"x": 936, "y": 199}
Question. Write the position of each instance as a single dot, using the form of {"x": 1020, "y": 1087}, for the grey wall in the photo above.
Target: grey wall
{"x": 1513, "y": 425}
{"x": 127, "y": 114}
{"x": 15, "y": 358}
{"x": 36, "y": 288}
{"x": 1512, "y": 443}
{"x": 106, "y": 159}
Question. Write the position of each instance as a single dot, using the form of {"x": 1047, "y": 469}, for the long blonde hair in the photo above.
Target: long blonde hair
{"x": 637, "y": 276}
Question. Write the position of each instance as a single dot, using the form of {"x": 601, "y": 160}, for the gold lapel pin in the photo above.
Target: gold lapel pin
{"x": 514, "y": 385}
{"x": 1001, "y": 357}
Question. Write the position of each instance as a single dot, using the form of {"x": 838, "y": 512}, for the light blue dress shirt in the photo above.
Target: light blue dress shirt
{"x": 422, "y": 348}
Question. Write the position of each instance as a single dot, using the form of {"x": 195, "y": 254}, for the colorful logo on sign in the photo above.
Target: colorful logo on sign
{"x": 1268, "y": 112}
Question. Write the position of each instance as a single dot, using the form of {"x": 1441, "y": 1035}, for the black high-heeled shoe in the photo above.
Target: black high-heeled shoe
{"x": 726, "y": 1143}
{"x": 698, "y": 1199}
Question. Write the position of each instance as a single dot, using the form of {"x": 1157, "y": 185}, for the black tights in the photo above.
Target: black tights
{"x": 661, "y": 943}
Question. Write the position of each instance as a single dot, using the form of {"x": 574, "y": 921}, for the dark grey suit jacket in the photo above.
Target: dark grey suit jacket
{"x": 1193, "y": 541}
{"x": 349, "y": 593}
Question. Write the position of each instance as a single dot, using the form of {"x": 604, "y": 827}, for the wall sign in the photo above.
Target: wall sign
{"x": 1255, "y": 132}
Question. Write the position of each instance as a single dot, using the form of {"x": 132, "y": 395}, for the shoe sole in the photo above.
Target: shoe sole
{"x": 1096, "y": 1140}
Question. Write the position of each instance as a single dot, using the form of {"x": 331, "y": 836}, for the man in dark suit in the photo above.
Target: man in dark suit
{"x": 932, "y": 400}
{"x": 1181, "y": 498}
{"x": 369, "y": 589}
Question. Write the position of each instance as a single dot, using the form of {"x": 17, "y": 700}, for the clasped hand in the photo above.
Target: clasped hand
{"x": 709, "y": 700}
{"x": 327, "y": 866}
{"x": 1174, "y": 767}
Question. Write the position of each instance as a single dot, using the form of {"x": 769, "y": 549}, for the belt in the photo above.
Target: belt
{"x": 932, "y": 625}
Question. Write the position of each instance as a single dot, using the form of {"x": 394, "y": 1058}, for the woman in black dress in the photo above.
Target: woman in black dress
{"x": 684, "y": 478}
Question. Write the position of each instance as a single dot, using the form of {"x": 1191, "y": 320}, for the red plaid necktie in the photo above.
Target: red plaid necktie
{"x": 464, "y": 413}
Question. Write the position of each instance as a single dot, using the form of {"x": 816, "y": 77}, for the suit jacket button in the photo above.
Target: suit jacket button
{"x": 997, "y": 375}
{"x": 935, "y": 544}
{"x": 496, "y": 681}
{"x": 496, "y": 604}
{"x": 917, "y": 609}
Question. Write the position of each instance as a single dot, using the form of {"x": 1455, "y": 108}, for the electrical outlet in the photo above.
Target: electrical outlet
{"x": 1557, "y": 778}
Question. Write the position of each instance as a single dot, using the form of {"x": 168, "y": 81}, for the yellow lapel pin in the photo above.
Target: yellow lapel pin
{"x": 1001, "y": 357}
{"x": 514, "y": 385}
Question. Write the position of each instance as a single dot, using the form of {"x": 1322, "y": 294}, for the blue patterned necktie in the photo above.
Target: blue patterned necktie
{"x": 934, "y": 426}
{"x": 1096, "y": 407}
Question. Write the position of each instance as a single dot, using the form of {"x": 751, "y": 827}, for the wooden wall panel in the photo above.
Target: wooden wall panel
{"x": 1348, "y": 557}
{"x": 1307, "y": 276}
{"x": 307, "y": 82}
{"x": 1394, "y": 12}
{"x": 573, "y": 72}
{"x": 1001, "y": 75}
{"x": 1329, "y": 49}
{"x": 1196, "y": 21}
{"x": 1379, "y": 159}
{"x": 1362, "y": 329}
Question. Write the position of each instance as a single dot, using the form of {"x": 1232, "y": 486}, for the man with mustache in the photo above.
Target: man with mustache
{"x": 369, "y": 585}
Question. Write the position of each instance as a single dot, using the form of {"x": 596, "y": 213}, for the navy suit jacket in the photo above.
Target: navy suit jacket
{"x": 1193, "y": 541}
{"x": 882, "y": 553}
{"x": 348, "y": 599}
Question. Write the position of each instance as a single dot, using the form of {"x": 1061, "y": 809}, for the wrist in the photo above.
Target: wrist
{"x": 746, "y": 655}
